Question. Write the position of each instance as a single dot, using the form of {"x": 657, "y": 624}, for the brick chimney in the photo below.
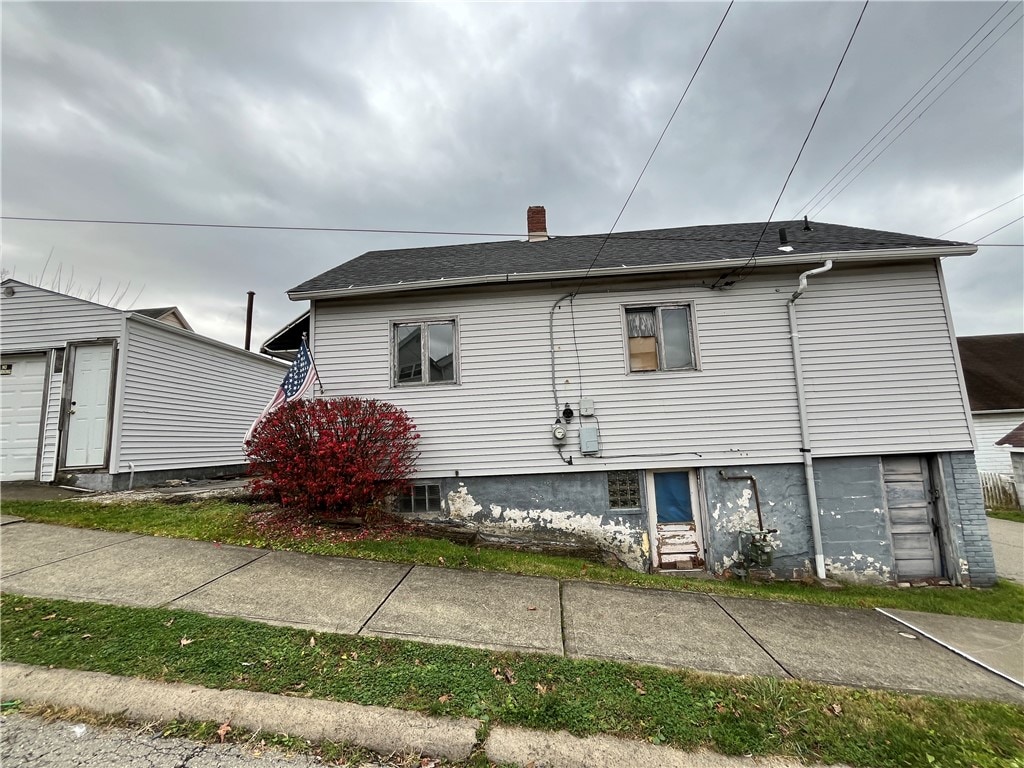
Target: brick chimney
{"x": 537, "y": 223}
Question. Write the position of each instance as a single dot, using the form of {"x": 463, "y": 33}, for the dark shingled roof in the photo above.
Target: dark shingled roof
{"x": 650, "y": 248}
{"x": 993, "y": 371}
{"x": 1014, "y": 438}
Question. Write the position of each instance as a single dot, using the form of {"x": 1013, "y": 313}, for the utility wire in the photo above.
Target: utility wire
{"x": 826, "y": 185}
{"x": 981, "y": 215}
{"x": 656, "y": 145}
{"x": 1000, "y": 229}
{"x": 823, "y": 205}
{"x": 810, "y": 130}
{"x": 261, "y": 226}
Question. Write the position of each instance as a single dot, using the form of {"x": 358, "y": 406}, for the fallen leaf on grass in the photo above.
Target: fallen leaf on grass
{"x": 86, "y": 637}
{"x": 428, "y": 762}
{"x": 834, "y": 709}
{"x": 51, "y": 616}
{"x": 168, "y": 623}
{"x": 37, "y": 634}
{"x": 312, "y": 642}
{"x": 185, "y": 641}
{"x": 505, "y": 674}
{"x": 445, "y": 698}
{"x": 639, "y": 686}
{"x": 224, "y": 730}
{"x": 440, "y": 561}
{"x": 541, "y": 688}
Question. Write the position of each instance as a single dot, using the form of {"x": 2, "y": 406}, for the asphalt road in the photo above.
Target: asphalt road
{"x": 1008, "y": 548}
{"x": 29, "y": 741}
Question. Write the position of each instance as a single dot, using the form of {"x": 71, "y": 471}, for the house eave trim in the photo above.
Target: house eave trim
{"x": 845, "y": 257}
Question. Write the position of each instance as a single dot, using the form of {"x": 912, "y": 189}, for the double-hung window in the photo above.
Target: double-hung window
{"x": 660, "y": 338}
{"x": 424, "y": 353}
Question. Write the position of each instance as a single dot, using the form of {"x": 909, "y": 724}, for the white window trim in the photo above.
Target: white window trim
{"x": 424, "y": 351}
{"x": 658, "y": 305}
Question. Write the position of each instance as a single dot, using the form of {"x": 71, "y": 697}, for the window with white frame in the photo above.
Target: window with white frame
{"x": 660, "y": 338}
{"x": 424, "y": 353}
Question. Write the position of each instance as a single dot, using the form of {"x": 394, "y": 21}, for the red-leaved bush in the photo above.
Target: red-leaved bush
{"x": 332, "y": 458}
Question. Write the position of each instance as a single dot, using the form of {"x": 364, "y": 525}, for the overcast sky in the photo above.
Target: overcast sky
{"x": 458, "y": 117}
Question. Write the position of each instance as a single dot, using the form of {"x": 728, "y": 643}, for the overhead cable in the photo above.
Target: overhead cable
{"x": 982, "y": 215}
{"x": 810, "y": 130}
{"x": 826, "y": 185}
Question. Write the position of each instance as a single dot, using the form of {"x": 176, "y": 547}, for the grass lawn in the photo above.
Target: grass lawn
{"x": 241, "y": 524}
{"x": 733, "y": 715}
{"x": 1013, "y": 515}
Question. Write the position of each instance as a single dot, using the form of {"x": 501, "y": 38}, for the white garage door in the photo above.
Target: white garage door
{"x": 21, "y": 410}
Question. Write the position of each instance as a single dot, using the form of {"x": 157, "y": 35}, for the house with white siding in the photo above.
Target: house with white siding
{"x": 994, "y": 374}
{"x": 689, "y": 399}
{"x": 103, "y": 398}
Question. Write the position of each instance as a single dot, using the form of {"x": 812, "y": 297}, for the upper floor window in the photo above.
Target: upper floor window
{"x": 424, "y": 353}
{"x": 660, "y": 338}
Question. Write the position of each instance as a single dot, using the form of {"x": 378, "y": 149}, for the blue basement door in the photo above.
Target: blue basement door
{"x": 678, "y": 544}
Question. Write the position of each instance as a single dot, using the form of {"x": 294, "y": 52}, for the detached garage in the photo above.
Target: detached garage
{"x": 100, "y": 397}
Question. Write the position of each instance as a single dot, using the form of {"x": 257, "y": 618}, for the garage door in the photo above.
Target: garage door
{"x": 21, "y": 411}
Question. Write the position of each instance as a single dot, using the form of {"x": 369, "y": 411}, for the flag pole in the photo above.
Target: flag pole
{"x": 305, "y": 340}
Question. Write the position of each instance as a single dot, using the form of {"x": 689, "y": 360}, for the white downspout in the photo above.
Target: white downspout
{"x": 805, "y": 433}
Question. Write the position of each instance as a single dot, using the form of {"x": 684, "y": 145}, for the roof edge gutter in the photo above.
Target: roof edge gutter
{"x": 930, "y": 252}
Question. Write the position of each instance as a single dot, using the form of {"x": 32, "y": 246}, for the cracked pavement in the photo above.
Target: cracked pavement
{"x": 30, "y": 741}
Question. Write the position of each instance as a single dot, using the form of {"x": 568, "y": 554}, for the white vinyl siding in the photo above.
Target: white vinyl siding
{"x": 498, "y": 419}
{"x": 188, "y": 402}
{"x": 879, "y": 364}
{"x": 37, "y": 319}
{"x": 877, "y": 353}
{"x": 988, "y": 428}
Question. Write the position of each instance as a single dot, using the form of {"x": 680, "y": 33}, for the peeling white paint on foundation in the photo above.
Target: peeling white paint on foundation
{"x": 849, "y": 568}
{"x": 630, "y": 544}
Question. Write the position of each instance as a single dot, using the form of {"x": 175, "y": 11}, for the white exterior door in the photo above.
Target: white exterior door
{"x": 671, "y": 505}
{"x": 21, "y": 411}
{"x": 88, "y": 408}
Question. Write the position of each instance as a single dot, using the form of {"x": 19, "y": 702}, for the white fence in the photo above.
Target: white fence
{"x": 998, "y": 490}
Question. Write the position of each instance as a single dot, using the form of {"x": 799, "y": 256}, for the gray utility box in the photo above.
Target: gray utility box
{"x": 590, "y": 440}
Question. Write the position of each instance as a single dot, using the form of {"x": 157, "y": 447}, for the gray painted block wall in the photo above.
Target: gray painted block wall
{"x": 731, "y": 508}
{"x": 567, "y": 505}
{"x": 969, "y": 548}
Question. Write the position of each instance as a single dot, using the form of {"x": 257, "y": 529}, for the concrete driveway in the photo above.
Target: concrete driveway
{"x": 1008, "y": 548}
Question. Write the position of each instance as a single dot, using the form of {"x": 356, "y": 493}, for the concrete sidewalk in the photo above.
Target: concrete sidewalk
{"x": 860, "y": 648}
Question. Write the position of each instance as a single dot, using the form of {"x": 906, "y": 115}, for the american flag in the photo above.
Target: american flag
{"x": 300, "y": 377}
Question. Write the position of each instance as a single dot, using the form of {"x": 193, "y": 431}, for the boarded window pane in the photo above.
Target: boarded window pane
{"x": 407, "y": 341}
{"x": 675, "y": 331}
{"x": 643, "y": 353}
{"x": 442, "y": 351}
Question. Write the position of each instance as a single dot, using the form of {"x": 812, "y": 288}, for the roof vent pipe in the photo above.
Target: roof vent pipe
{"x": 536, "y": 223}
{"x": 807, "y": 225}
{"x": 805, "y": 432}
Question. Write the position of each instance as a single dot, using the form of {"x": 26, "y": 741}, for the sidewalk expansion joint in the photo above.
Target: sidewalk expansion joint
{"x": 77, "y": 554}
{"x": 382, "y": 602}
{"x": 752, "y": 638}
{"x": 561, "y": 616}
{"x": 216, "y": 578}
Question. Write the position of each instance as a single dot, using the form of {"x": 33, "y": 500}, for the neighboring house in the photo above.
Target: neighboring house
{"x": 99, "y": 397}
{"x": 1014, "y": 443}
{"x": 663, "y": 393}
{"x": 994, "y": 374}
{"x": 169, "y": 315}
{"x": 284, "y": 345}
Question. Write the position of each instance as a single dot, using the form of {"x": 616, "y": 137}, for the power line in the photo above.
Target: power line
{"x": 981, "y": 215}
{"x": 822, "y": 206}
{"x": 656, "y": 145}
{"x": 806, "y": 139}
{"x": 264, "y": 226}
{"x": 1000, "y": 229}
{"x": 826, "y": 185}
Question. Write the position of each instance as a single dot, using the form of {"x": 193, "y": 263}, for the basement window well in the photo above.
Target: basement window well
{"x": 660, "y": 338}
{"x": 421, "y": 498}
